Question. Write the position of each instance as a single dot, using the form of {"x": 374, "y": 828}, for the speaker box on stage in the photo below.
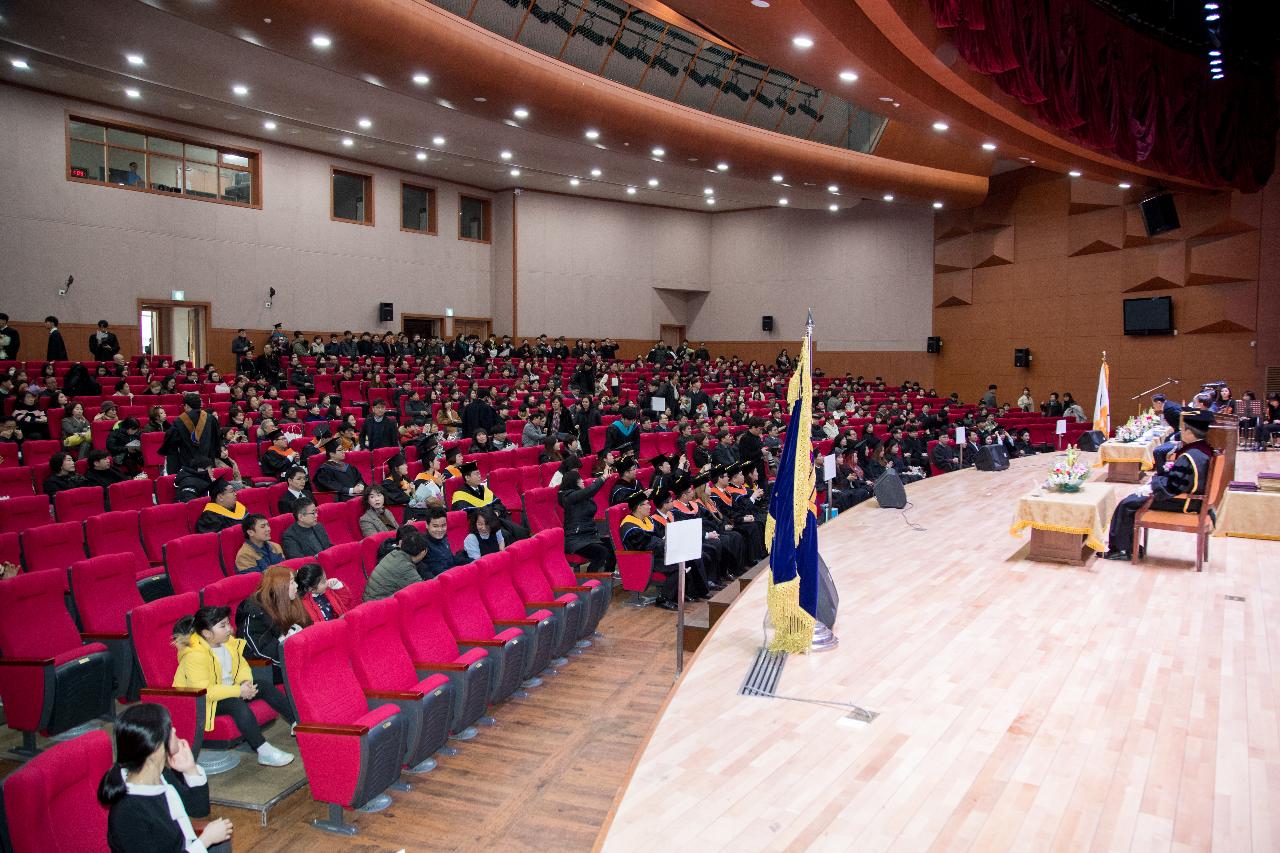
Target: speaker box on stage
{"x": 828, "y": 597}
{"x": 889, "y": 491}
{"x": 992, "y": 457}
{"x": 1092, "y": 440}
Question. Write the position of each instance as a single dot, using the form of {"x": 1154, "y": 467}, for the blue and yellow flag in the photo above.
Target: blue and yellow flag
{"x": 792, "y": 527}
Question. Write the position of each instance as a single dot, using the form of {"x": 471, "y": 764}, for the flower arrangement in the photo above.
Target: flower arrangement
{"x": 1068, "y": 474}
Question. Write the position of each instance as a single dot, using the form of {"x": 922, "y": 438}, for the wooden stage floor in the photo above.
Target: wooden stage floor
{"x": 1023, "y": 706}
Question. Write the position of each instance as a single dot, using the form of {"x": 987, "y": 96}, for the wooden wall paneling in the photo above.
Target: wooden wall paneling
{"x": 951, "y": 289}
{"x": 1096, "y": 231}
{"x": 1160, "y": 266}
{"x": 35, "y": 339}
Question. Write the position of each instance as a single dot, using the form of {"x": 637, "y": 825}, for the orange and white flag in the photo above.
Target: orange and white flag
{"x": 1102, "y": 404}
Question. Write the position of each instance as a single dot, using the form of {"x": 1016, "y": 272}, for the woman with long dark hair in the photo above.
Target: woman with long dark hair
{"x": 581, "y": 537}
{"x": 155, "y": 787}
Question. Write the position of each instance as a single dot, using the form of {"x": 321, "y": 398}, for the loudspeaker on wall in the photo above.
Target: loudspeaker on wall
{"x": 386, "y": 312}
{"x": 766, "y": 323}
{"x": 935, "y": 344}
{"x": 1022, "y": 357}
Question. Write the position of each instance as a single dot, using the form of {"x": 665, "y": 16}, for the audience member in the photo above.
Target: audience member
{"x": 258, "y": 553}
{"x": 306, "y": 537}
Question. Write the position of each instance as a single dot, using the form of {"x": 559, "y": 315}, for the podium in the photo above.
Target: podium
{"x": 1224, "y": 436}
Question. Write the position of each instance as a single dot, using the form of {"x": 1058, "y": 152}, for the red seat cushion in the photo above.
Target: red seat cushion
{"x": 471, "y": 657}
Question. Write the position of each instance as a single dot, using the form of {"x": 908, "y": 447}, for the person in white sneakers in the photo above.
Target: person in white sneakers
{"x": 209, "y": 657}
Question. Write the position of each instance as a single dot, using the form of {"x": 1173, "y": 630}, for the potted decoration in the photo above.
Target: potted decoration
{"x": 1068, "y": 474}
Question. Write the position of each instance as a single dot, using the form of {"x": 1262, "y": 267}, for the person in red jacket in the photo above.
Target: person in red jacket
{"x": 323, "y": 598}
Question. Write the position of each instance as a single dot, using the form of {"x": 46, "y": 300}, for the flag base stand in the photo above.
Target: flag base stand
{"x": 823, "y": 639}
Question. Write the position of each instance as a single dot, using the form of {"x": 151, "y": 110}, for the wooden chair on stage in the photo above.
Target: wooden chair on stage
{"x": 1201, "y": 524}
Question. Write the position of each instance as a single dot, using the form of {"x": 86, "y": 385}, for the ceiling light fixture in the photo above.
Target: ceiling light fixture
{"x": 592, "y": 134}
{"x": 505, "y": 155}
{"x": 888, "y": 196}
{"x": 1219, "y": 76}
{"x": 268, "y": 125}
{"x": 134, "y": 59}
{"x": 240, "y": 89}
{"x": 832, "y": 188}
{"x": 20, "y": 64}
{"x": 835, "y": 208}
{"x": 760, "y": 4}
{"x": 480, "y": 100}
{"x": 421, "y": 79}
{"x": 1124, "y": 185}
{"x": 520, "y": 113}
{"x": 802, "y": 42}
{"x": 133, "y": 93}
{"x": 988, "y": 146}
{"x": 937, "y": 205}
{"x": 659, "y": 152}
{"x": 941, "y": 126}
{"x": 782, "y": 202}
{"x": 653, "y": 182}
{"x": 437, "y": 141}
{"x": 365, "y": 123}
{"x": 515, "y": 173}
{"x": 711, "y": 201}
{"x": 723, "y": 167}
{"x": 573, "y": 182}
{"x": 1212, "y": 16}
{"x": 321, "y": 41}
{"x": 347, "y": 142}
{"x": 849, "y": 76}
{"x": 1216, "y": 61}
{"x": 631, "y": 190}
{"x": 708, "y": 191}
{"x": 777, "y": 179}
{"x": 421, "y": 155}
{"x": 1215, "y": 53}
{"x": 595, "y": 173}
{"x": 885, "y": 99}
{"x": 1075, "y": 173}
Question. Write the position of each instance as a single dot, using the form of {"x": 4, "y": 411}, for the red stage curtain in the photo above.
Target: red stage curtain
{"x": 1111, "y": 88}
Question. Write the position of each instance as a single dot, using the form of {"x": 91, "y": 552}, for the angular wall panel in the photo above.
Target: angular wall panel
{"x": 953, "y": 288}
{"x": 1156, "y": 267}
{"x": 1218, "y": 260}
{"x": 993, "y": 248}
{"x": 1095, "y": 231}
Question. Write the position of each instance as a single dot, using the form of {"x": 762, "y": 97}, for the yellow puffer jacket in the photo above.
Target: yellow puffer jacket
{"x": 199, "y": 667}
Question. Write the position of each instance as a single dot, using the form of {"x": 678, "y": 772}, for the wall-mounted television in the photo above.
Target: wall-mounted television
{"x": 1153, "y": 316}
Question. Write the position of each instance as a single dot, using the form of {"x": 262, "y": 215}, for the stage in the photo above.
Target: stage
{"x": 1022, "y": 706}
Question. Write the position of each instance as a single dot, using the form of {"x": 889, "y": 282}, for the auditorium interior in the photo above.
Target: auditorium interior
{"x": 600, "y": 425}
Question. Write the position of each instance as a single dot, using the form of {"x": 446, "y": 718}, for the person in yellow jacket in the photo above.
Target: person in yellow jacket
{"x": 209, "y": 657}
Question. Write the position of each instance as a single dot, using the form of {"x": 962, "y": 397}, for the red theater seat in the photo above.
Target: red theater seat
{"x": 594, "y": 587}
{"x": 342, "y": 521}
{"x": 119, "y": 533}
{"x": 344, "y": 563}
{"x": 506, "y": 608}
{"x": 22, "y": 513}
{"x": 193, "y": 562}
{"x": 131, "y": 494}
{"x": 470, "y": 623}
{"x": 536, "y": 592}
{"x": 51, "y": 802}
{"x": 16, "y": 482}
{"x": 160, "y": 524}
{"x": 104, "y": 590}
{"x": 53, "y": 547}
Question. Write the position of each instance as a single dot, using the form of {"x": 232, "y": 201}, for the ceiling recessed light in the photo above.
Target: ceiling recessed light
{"x": 515, "y": 173}
{"x": 1219, "y": 76}
{"x": 20, "y": 64}
{"x": 653, "y": 182}
{"x": 1216, "y": 61}
{"x": 1212, "y": 16}
{"x": 849, "y": 76}
{"x": 1215, "y": 53}
{"x": 711, "y": 201}
{"x": 595, "y": 173}
{"x": 321, "y": 41}
{"x": 240, "y": 89}
{"x": 760, "y": 4}
{"x": 708, "y": 191}
{"x": 832, "y": 188}
{"x": 782, "y": 202}
{"x": 480, "y": 100}
{"x": 365, "y": 123}
{"x": 886, "y": 99}
{"x": 659, "y": 152}
{"x": 437, "y": 141}
{"x": 268, "y": 125}
{"x": 592, "y": 134}
{"x": 1075, "y": 173}
{"x": 777, "y": 179}
{"x": 347, "y": 141}
{"x": 896, "y": 104}
{"x": 941, "y": 126}
{"x": 505, "y": 155}
{"x": 988, "y": 146}
{"x": 573, "y": 182}
{"x": 631, "y": 190}
{"x": 723, "y": 167}
{"x": 520, "y": 113}
{"x": 421, "y": 79}
{"x": 937, "y": 205}
{"x": 802, "y": 42}
{"x": 134, "y": 59}
{"x": 133, "y": 93}
{"x": 1124, "y": 185}
{"x": 835, "y": 208}
{"x": 421, "y": 155}
{"x": 888, "y": 196}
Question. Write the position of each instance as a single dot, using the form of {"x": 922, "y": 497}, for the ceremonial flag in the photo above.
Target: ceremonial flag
{"x": 1102, "y": 404}
{"x": 792, "y": 526}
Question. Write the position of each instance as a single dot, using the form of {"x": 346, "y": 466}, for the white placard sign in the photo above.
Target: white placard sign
{"x": 829, "y": 467}
{"x": 684, "y": 541}
{"x": 1062, "y": 428}
{"x": 658, "y": 404}
{"x": 960, "y": 434}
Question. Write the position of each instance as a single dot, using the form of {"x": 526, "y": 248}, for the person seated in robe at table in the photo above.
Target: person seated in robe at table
{"x": 336, "y": 476}
{"x": 639, "y": 532}
{"x": 735, "y": 544}
{"x": 721, "y": 556}
{"x": 222, "y": 510}
{"x": 627, "y": 483}
{"x": 748, "y": 508}
{"x": 972, "y": 447}
{"x": 1172, "y": 414}
{"x": 661, "y": 504}
{"x": 664, "y": 471}
{"x": 279, "y": 459}
{"x": 1188, "y": 474}
{"x": 474, "y": 494}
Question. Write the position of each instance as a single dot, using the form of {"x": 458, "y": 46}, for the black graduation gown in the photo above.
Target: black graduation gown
{"x": 186, "y": 439}
{"x": 331, "y": 477}
{"x": 636, "y": 538}
{"x": 1188, "y": 475}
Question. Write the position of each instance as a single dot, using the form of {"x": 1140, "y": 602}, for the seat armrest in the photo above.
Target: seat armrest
{"x": 571, "y": 588}
{"x": 537, "y": 605}
{"x": 396, "y": 695}
{"x": 451, "y": 666}
{"x": 192, "y": 692}
{"x": 104, "y": 635}
{"x": 334, "y": 729}
{"x": 490, "y": 641}
{"x": 26, "y": 661}
{"x": 257, "y": 663}
{"x": 514, "y": 623}
{"x": 598, "y": 575}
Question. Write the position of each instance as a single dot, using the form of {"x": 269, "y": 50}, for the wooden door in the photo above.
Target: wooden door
{"x": 478, "y": 326}
{"x": 671, "y": 335}
{"x": 422, "y": 324}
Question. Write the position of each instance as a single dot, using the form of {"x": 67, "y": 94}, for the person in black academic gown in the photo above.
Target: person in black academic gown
{"x": 191, "y": 434}
{"x": 626, "y": 485}
{"x": 1187, "y": 475}
{"x": 639, "y": 532}
{"x": 335, "y": 475}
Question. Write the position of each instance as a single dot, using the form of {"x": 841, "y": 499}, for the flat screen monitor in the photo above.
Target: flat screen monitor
{"x": 1152, "y": 316}
{"x": 1159, "y": 214}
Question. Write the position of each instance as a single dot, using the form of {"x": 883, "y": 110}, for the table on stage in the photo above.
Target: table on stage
{"x": 1126, "y": 460}
{"x": 1249, "y": 515}
{"x": 1065, "y": 526}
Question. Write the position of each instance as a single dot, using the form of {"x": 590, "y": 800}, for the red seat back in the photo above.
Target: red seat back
{"x": 463, "y": 607}
{"x": 378, "y": 655}
{"x": 105, "y": 589}
{"x": 131, "y": 494}
{"x": 322, "y": 685}
{"x": 151, "y": 629}
{"x": 279, "y": 524}
{"x": 193, "y": 562}
{"x": 497, "y": 589}
{"x": 459, "y": 527}
{"x": 258, "y": 500}
{"x": 616, "y": 513}
{"x": 34, "y": 622}
{"x": 526, "y": 570}
{"x": 229, "y": 541}
{"x": 423, "y": 629}
{"x": 166, "y": 491}
{"x": 116, "y": 533}
{"x": 19, "y": 514}
{"x": 505, "y": 483}
{"x": 554, "y": 564}
{"x": 542, "y": 509}
{"x": 16, "y": 482}
{"x": 160, "y": 524}
{"x": 344, "y": 563}
{"x": 341, "y": 521}
{"x": 369, "y": 550}
{"x": 53, "y": 546}
{"x": 230, "y": 591}
{"x": 51, "y": 802}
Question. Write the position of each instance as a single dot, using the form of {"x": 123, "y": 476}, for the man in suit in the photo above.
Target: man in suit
{"x": 751, "y": 448}
{"x": 725, "y": 453}
{"x": 1188, "y": 475}
{"x": 10, "y": 340}
{"x": 944, "y": 456}
{"x": 972, "y": 447}
{"x": 57, "y": 349}
{"x": 379, "y": 430}
{"x": 103, "y": 343}
{"x": 480, "y": 413}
